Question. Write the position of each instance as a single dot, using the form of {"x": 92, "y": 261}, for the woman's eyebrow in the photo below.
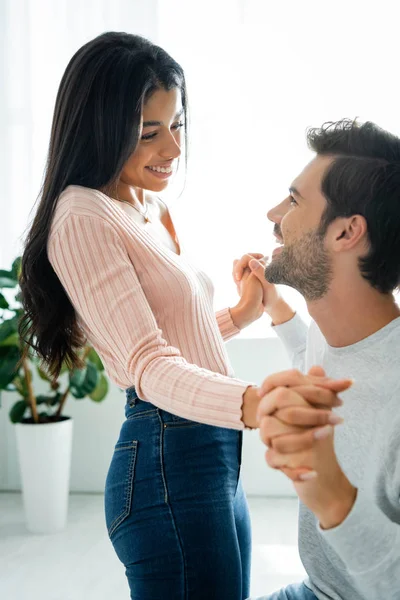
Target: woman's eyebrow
{"x": 158, "y": 123}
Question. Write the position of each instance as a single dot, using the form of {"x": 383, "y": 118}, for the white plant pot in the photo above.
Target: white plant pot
{"x": 44, "y": 453}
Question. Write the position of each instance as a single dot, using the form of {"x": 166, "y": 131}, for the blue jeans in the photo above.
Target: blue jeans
{"x": 297, "y": 591}
{"x": 175, "y": 509}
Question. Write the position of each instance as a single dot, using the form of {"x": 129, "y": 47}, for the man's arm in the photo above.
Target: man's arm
{"x": 363, "y": 531}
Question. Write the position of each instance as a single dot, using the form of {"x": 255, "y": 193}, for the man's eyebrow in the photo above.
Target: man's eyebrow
{"x": 158, "y": 123}
{"x": 295, "y": 192}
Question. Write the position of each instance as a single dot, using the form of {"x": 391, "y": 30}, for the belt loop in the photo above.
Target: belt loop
{"x": 132, "y": 401}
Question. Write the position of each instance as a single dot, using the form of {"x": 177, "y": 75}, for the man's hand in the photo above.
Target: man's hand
{"x": 325, "y": 488}
{"x": 301, "y": 443}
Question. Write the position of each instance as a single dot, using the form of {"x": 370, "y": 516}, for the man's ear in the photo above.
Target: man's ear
{"x": 348, "y": 232}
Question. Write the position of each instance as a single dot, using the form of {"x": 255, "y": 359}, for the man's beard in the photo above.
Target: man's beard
{"x": 304, "y": 265}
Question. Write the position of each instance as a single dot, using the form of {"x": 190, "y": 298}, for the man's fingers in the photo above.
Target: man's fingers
{"x": 276, "y": 460}
{"x": 288, "y": 378}
{"x": 317, "y": 370}
{"x": 294, "y": 474}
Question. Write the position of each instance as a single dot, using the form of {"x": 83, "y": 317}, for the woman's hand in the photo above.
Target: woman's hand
{"x": 273, "y": 303}
{"x": 294, "y": 414}
{"x": 250, "y": 306}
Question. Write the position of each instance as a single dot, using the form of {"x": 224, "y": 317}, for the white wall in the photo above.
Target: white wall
{"x": 25, "y": 51}
{"x": 96, "y": 428}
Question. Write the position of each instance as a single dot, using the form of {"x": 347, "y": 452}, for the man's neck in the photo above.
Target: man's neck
{"x": 352, "y": 313}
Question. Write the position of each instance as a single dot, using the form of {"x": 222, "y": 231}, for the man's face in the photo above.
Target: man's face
{"x": 302, "y": 261}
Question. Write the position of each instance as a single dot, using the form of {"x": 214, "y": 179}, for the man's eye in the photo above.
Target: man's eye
{"x": 177, "y": 125}
{"x": 292, "y": 201}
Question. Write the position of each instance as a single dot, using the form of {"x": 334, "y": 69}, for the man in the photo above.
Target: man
{"x": 339, "y": 236}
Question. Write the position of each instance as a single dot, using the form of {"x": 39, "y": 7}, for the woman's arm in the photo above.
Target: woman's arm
{"x": 93, "y": 265}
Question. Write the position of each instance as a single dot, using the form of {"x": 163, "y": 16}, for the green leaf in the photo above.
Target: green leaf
{"x": 48, "y": 400}
{"x": 12, "y": 340}
{"x": 8, "y": 327}
{"x": 55, "y": 400}
{"x": 3, "y": 302}
{"x": 16, "y": 268}
{"x": 84, "y": 381}
{"x": 7, "y": 279}
{"x": 9, "y": 359}
{"x": 95, "y": 359}
{"x": 17, "y": 411}
{"x": 21, "y": 386}
{"x": 101, "y": 390}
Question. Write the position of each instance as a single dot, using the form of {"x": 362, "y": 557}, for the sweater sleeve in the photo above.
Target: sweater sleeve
{"x": 92, "y": 263}
{"x": 293, "y": 335}
{"x": 368, "y": 540}
{"x": 226, "y": 326}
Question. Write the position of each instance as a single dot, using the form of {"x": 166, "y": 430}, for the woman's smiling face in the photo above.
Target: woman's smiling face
{"x": 155, "y": 159}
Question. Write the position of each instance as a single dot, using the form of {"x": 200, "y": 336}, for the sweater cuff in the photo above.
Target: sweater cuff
{"x": 226, "y": 326}
{"x": 365, "y": 538}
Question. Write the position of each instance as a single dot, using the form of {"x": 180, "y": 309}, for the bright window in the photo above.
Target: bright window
{"x": 259, "y": 73}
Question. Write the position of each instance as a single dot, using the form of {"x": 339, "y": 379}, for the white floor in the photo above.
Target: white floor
{"x": 79, "y": 563}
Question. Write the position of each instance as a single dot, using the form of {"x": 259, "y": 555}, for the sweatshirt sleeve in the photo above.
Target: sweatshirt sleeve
{"x": 226, "y": 326}
{"x": 293, "y": 335}
{"x": 368, "y": 540}
{"x": 92, "y": 263}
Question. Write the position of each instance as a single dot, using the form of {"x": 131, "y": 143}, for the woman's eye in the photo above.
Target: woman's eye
{"x": 292, "y": 201}
{"x": 149, "y": 136}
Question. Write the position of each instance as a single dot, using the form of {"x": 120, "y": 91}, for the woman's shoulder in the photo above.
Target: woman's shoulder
{"x": 82, "y": 200}
{"x": 77, "y": 201}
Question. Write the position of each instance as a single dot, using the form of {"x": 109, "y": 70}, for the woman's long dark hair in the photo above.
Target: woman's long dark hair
{"x": 96, "y": 127}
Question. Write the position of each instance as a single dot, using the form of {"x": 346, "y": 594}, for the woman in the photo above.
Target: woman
{"x": 103, "y": 263}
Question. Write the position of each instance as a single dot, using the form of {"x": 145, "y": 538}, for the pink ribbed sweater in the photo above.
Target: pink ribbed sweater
{"x": 147, "y": 311}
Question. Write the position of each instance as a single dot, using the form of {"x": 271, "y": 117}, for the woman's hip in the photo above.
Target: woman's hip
{"x": 162, "y": 459}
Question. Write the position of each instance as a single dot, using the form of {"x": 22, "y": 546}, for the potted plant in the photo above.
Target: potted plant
{"x": 44, "y": 433}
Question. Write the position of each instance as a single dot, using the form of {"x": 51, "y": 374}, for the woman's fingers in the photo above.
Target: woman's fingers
{"x": 271, "y": 427}
{"x": 294, "y": 377}
{"x": 309, "y": 424}
{"x": 298, "y": 442}
{"x": 304, "y": 396}
{"x": 318, "y": 396}
{"x": 307, "y": 417}
{"x": 240, "y": 265}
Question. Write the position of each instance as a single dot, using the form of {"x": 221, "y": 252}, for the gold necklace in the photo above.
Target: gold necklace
{"x": 143, "y": 214}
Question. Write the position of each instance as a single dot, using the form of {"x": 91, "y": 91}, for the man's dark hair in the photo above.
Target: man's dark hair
{"x": 364, "y": 179}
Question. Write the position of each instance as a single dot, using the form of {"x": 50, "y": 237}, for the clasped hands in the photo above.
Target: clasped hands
{"x": 295, "y": 415}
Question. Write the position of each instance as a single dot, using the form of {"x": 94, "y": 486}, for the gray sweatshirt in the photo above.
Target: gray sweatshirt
{"x": 359, "y": 559}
